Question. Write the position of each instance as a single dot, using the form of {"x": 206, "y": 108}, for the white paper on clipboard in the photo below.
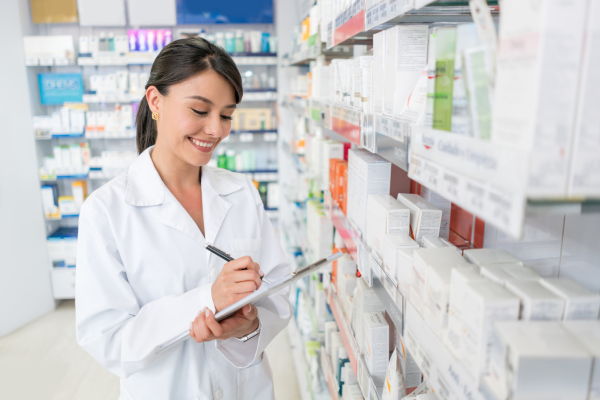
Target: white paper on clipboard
{"x": 259, "y": 295}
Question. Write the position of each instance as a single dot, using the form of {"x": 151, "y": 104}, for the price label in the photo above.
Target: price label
{"x": 416, "y": 168}
{"x": 475, "y": 197}
{"x": 451, "y": 186}
{"x": 270, "y": 137}
{"x": 431, "y": 176}
{"x": 61, "y": 61}
{"x": 46, "y": 61}
{"x": 246, "y": 137}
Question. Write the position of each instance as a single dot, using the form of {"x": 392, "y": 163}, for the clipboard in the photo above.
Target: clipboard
{"x": 265, "y": 290}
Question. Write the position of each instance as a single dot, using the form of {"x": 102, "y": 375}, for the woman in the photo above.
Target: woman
{"x": 143, "y": 274}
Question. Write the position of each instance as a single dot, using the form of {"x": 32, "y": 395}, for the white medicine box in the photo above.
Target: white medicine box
{"x": 385, "y": 215}
{"x": 425, "y": 218}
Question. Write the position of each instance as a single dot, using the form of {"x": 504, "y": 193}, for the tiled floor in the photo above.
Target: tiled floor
{"x": 43, "y": 361}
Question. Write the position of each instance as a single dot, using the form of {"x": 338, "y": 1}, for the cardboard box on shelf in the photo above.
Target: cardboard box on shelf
{"x": 368, "y": 173}
{"x": 484, "y": 304}
{"x": 459, "y": 278}
{"x": 385, "y": 215}
{"x": 393, "y": 244}
{"x": 366, "y": 302}
{"x": 535, "y": 360}
{"x": 544, "y": 40}
{"x": 588, "y": 334}
{"x": 501, "y": 273}
{"x": 483, "y": 257}
{"x": 443, "y": 205}
{"x": 331, "y": 150}
{"x": 431, "y": 241}
{"x": 581, "y": 303}
{"x": 537, "y": 302}
{"x": 378, "y": 71}
{"x": 425, "y": 218}
{"x": 376, "y": 336}
{"x": 404, "y": 270}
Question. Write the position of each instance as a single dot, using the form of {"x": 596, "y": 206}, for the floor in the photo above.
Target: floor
{"x": 42, "y": 361}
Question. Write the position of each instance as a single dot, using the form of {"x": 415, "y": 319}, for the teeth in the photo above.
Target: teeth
{"x": 202, "y": 144}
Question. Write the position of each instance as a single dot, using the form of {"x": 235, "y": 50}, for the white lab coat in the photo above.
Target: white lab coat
{"x": 143, "y": 275}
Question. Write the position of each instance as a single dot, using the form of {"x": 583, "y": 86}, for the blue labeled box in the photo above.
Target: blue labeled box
{"x": 60, "y": 88}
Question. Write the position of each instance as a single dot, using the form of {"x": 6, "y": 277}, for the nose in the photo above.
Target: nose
{"x": 213, "y": 127}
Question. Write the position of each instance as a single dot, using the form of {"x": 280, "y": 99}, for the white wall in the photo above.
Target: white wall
{"x": 25, "y": 290}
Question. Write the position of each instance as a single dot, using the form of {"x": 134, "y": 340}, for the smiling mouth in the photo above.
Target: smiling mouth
{"x": 202, "y": 144}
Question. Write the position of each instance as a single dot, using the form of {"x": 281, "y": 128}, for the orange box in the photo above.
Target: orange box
{"x": 333, "y": 179}
{"x": 334, "y": 264}
{"x": 342, "y": 174}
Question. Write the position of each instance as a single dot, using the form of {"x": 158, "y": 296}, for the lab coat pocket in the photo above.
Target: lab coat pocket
{"x": 256, "y": 381}
{"x": 246, "y": 247}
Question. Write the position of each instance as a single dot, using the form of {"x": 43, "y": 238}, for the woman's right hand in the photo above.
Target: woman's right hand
{"x": 237, "y": 279}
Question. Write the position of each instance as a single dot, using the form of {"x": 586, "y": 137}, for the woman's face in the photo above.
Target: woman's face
{"x": 194, "y": 117}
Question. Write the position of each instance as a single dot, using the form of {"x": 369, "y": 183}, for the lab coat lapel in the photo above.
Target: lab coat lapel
{"x": 174, "y": 215}
{"x": 215, "y": 208}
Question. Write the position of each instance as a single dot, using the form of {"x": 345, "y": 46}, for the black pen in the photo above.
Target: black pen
{"x": 218, "y": 252}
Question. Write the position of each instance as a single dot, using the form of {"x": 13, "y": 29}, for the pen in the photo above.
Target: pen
{"x": 226, "y": 257}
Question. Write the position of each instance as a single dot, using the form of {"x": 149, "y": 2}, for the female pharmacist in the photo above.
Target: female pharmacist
{"x": 143, "y": 274}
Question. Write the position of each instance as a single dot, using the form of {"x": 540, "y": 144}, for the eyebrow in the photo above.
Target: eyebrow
{"x": 204, "y": 99}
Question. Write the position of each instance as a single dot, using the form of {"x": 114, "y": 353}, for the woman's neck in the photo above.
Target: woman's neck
{"x": 174, "y": 172}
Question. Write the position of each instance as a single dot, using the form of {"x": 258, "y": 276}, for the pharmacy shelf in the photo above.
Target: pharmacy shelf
{"x": 345, "y": 121}
{"x": 349, "y": 24}
{"x": 97, "y": 98}
{"x": 64, "y": 178}
{"x": 245, "y": 59}
{"x": 313, "y": 48}
{"x": 345, "y": 330}
{"x": 63, "y": 217}
{"x": 301, "y": 366}
{"x": 68, "y": 135}
{"x": 347, "y": 232}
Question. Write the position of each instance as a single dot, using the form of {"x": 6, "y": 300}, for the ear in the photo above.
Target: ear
{"x": 154, "y": 98}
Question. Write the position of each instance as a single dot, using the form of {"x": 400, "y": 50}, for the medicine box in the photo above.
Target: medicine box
{"x": 500, "y": 273}
{"x": 393, "y": 243}
{"x": 376, "y": 331}
{"x": 484, "y": 303}
{"x": 62, "y": 247}
{"x": 536, "y": 87}
{"x": 483, "y": 257}
{"x": 459, "y": 278}
{"x": 385, "y": 215}
{"x": 581, "y": 303}
{"x": 431, "y": 241}
{"x": 404, "y": 269}
{"x": 535, "y": 360}
{"x": 366, "y": 302}
{"x": 588, "y": 334}
{"x": 331, "y": 149}
{"x": 378, "y": 71}
{"x": 425, "y": 218}
{"x": 368, "y": 173}
{"x": 537, "y": 302}
{"x": 444, "y": 205}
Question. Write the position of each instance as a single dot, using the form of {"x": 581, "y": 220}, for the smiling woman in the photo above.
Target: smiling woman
{"x": 143, "y": 273}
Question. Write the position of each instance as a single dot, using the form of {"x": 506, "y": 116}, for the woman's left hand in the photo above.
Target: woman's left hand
{"x": 205, "y": 328}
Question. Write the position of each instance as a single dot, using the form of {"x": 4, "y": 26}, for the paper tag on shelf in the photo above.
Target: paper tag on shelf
{"x": 270, "y": 137}
{"x": 246, "y": 137}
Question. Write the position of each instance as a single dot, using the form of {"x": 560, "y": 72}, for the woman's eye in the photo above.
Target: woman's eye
{"x": 199, "y": 112}
{"x": 226, "y": 117}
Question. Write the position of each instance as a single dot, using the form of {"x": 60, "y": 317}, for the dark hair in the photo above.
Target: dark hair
{"x": 178, "y": 61}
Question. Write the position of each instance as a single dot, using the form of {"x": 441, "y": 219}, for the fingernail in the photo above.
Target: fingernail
{"x": 191, "y": 324}
{"x": 207, "y": 312}
{"x": 261, "y": 273}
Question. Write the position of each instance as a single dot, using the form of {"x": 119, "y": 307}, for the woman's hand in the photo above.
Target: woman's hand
{"x": 237, "y": 279}
{"x": 205, "y": 328}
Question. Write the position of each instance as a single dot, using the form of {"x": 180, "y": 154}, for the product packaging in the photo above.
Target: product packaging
{"x": 584, "y": 171}
{"x": 404, "y": 270}
{"x": 368, "y": 173}
{"x": 392, "y": 259}
{"x": 367, "y": 302}
{"x": 537, "y": 360}
{"x": 394, "y": 388}
{"x": 431, "y": 241}
{"x": 331, "y": 150}
{"x": 378, "y": 70}
{"x": 406, "y": 56}
{"x": 445, "y": 48}
{"x": 537, "y": 302}
{"x": 67, "y": 206}
{"x": 581, "y": 303}
{"x": 466, "y": 37}
{"x": 431, "y": 77}
{"x": 483, "y": 257}
{"x": 376, "y": 331}
{"x": 588, "y": 334}
{"x": 443, "y": 205}
{"x": 50, "y": 201}
{"x": 501, "y": 273}
{"x": 538, "y": 66}
{"x": 459, "y": 277}
{"x": 425, "y": 218}
{"x": 477, "y": 68}
{"x": 385, "y": 215}
{"x": 484, "y": 304}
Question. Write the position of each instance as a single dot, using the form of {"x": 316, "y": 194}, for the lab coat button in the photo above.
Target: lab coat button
{"x": 214, "y": 273}
{"x": 218, "y": 394}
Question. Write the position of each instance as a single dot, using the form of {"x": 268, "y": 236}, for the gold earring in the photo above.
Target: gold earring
{"x": 155, "y": 116}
